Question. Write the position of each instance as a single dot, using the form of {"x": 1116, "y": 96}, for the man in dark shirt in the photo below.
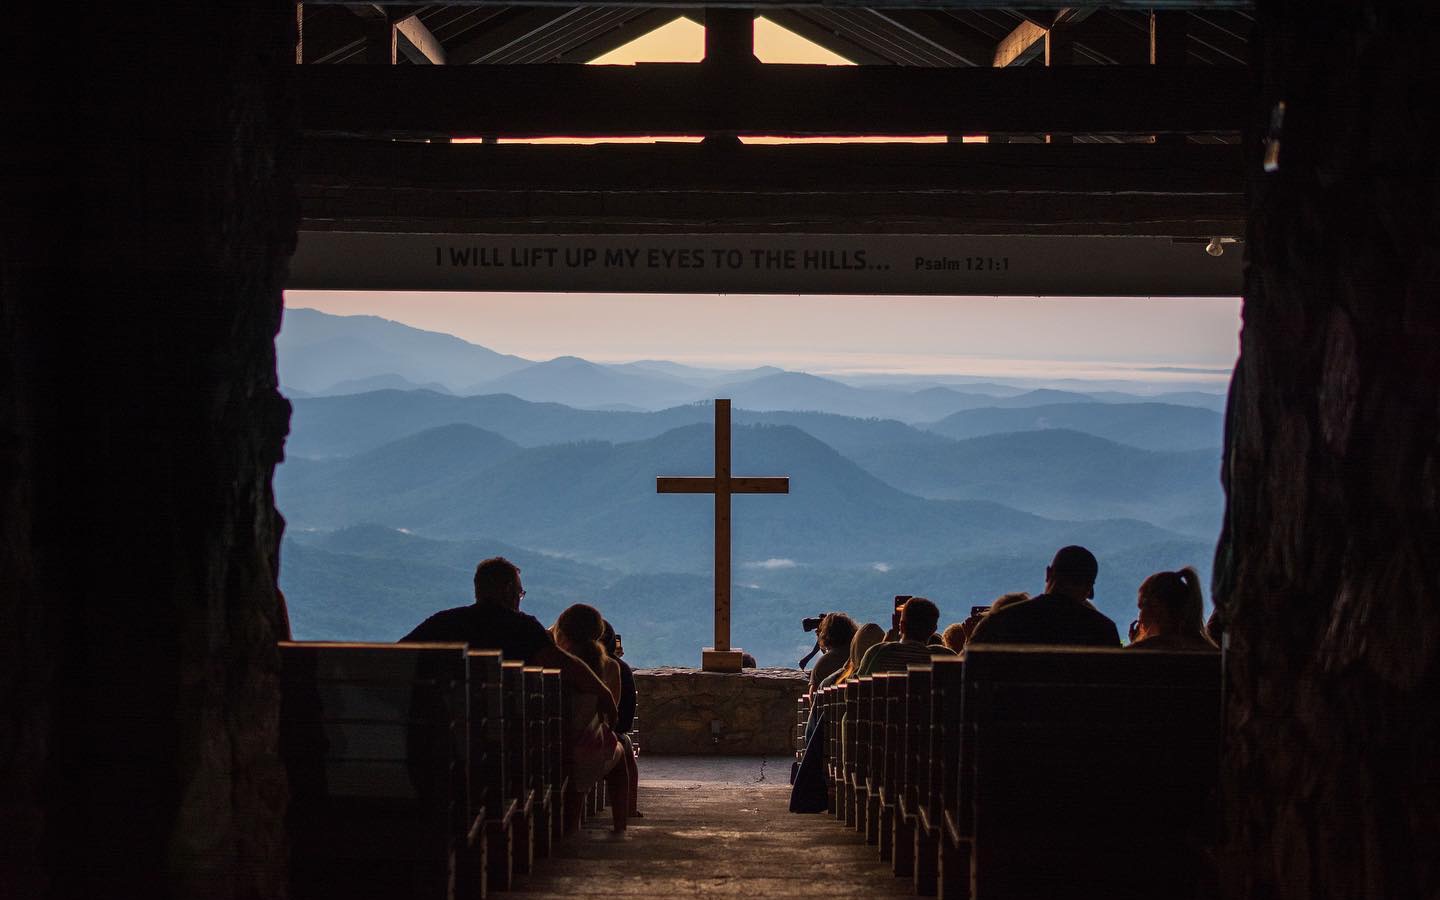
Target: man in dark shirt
{"x": 1061, "y": 615}
{"x": 494, "y": 622}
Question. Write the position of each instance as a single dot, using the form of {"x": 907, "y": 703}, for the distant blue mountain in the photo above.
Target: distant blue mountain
{"x": 578, "y": 382}
{"x": 596, "y": 501}
{"x": 1059, "y": 474}
{"x": 316, "y": 351}
{"x": 1150, "y": 426}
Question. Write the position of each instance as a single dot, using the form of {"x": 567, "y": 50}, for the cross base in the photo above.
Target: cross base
{"x": 712, "y": 660}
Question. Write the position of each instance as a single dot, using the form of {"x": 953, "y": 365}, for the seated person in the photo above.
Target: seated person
{"x": 958, "y": 635}
{"x": 893, "y": 634}
{"x": 1172, "y": 613}
{"x": 834, "y": 635}
{"x": 868, "y": 636}
{"x": 918, "y": 618}
{"x": 626, "y": 723}
{"x": 591, "y": 747}
{"x": 1061, "y": 615}
{"x": 494, "y": 622}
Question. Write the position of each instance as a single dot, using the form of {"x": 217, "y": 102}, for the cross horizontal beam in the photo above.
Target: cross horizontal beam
{"x": 701, "y": 484}
{"x": 403, "y": 186}
{"x": 690, "y": 99}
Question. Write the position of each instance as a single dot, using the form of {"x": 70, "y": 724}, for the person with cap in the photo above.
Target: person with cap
{"x": 1061, "y": 615}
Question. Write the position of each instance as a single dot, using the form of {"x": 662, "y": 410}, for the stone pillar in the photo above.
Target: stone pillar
{"x": 1327, "y": 571}
{"x": 148, "y": 214}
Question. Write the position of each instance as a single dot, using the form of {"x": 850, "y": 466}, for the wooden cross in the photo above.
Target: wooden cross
{"x": 721, "y": 658}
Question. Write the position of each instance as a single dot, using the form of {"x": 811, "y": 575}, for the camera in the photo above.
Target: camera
{"x": 813, "y": 622}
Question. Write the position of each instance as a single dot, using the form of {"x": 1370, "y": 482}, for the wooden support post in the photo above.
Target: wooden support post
{"x": 381, "y": 41}
{"x": 299, "y": 33}
{"x": 1060, "y": 51}
{"x": 730, "y": 37}
{"x": 1169, "y": 47}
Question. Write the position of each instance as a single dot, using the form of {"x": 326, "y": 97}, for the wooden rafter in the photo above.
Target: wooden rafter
{"x": 1185, "y": 190}
{"x": 1145, "y": 5}
{"x": 683, "y": 99}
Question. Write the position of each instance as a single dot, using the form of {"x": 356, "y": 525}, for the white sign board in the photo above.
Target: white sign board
{"x": 985, "y": 265}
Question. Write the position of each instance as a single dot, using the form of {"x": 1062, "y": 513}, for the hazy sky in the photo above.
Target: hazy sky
{"x": 1094, "y": 338}
{"x": 1099, "y": 338}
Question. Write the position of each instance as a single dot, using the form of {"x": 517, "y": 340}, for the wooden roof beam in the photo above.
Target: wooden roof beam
{"x": 1138, "y": 5}
{"x": 1030, "y": 39}
{"x": 689, "y": 99}
{"x": 400, "y": 186}
{"x": 407, "y": 33}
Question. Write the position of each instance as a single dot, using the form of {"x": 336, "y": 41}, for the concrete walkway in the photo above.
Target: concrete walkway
{"x": 715, "y": 827}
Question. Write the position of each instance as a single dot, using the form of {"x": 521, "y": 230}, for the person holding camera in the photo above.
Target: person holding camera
{"x": 833, "y": 635}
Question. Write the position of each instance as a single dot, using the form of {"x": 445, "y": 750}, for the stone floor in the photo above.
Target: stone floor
{"x": 715, "y": 827}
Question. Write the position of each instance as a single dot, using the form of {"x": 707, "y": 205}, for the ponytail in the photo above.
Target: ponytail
{"x": 1193, "y": 605}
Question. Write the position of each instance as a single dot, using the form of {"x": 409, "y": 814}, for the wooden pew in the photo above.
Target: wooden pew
{"x": 890, "y": 691}
{"x": 520, "y": 787}
{"x": 489, "y": 788}
{"x": 537, "y": 763}
{"x": 865, "y": 805}
{"x": 851, "y": 733}
{"x": 835, "y": 748}
{"x": 953, "y": 854}
{"x": 913, "y": 763}
{"x": 555, "y": 774}
{"x": 375, "y": 739}
{"x": 1088, "y": 772}
{"x": 928, "y": 775}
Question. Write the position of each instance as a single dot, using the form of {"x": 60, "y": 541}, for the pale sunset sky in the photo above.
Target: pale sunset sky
{"x": 1168, "y": 342}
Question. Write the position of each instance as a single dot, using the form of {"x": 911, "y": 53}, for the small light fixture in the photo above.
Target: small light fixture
{"x": 1216, "y": 246}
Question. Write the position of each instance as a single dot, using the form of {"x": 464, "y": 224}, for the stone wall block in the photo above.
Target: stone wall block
{"x": 755, "y": 711}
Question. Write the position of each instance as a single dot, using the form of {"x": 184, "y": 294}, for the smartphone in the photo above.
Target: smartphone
{"x": 979, "y": 610}
{"x": 901, "y": 598}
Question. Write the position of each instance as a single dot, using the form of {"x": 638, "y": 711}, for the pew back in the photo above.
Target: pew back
{"x": 375, "y": 738}
{"x": 1089, "y": 771}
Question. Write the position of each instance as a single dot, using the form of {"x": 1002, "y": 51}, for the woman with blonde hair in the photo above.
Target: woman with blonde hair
{"x": 1172, "y": 613}
{"x": 593, "y": 749}
{"x": 868, "y": 636}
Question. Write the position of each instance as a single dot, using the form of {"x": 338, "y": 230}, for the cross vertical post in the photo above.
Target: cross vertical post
{"x": 722, "y": 657}
{"x": 722, "y": 526}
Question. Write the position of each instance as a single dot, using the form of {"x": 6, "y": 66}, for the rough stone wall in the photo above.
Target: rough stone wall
{"x": 755, "y": 710}
{"x": 1327, "y": 570}
{"x": 145, "y": 221}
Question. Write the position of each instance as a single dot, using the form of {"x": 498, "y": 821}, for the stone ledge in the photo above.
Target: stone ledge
{"x": 689, "y": 711}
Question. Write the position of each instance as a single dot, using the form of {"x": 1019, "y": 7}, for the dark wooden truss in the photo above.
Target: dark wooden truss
{"x": 1133, "y": 119}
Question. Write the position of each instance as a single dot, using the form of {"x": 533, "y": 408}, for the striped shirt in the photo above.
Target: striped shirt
{"x": 894, "y": 656}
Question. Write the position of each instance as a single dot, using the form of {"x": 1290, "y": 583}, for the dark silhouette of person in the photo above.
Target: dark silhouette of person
{"x": 626, "y": 723}
{"x": 918, "y": 618}
{"x": 494, "y": 622}
{"x": 1172, "y": 613}
{"x": 1061, "y": 615}
{"x": 834, "y": 635}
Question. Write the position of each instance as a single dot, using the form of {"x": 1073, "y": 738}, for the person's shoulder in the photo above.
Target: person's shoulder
{"x": 443, "y": 625}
